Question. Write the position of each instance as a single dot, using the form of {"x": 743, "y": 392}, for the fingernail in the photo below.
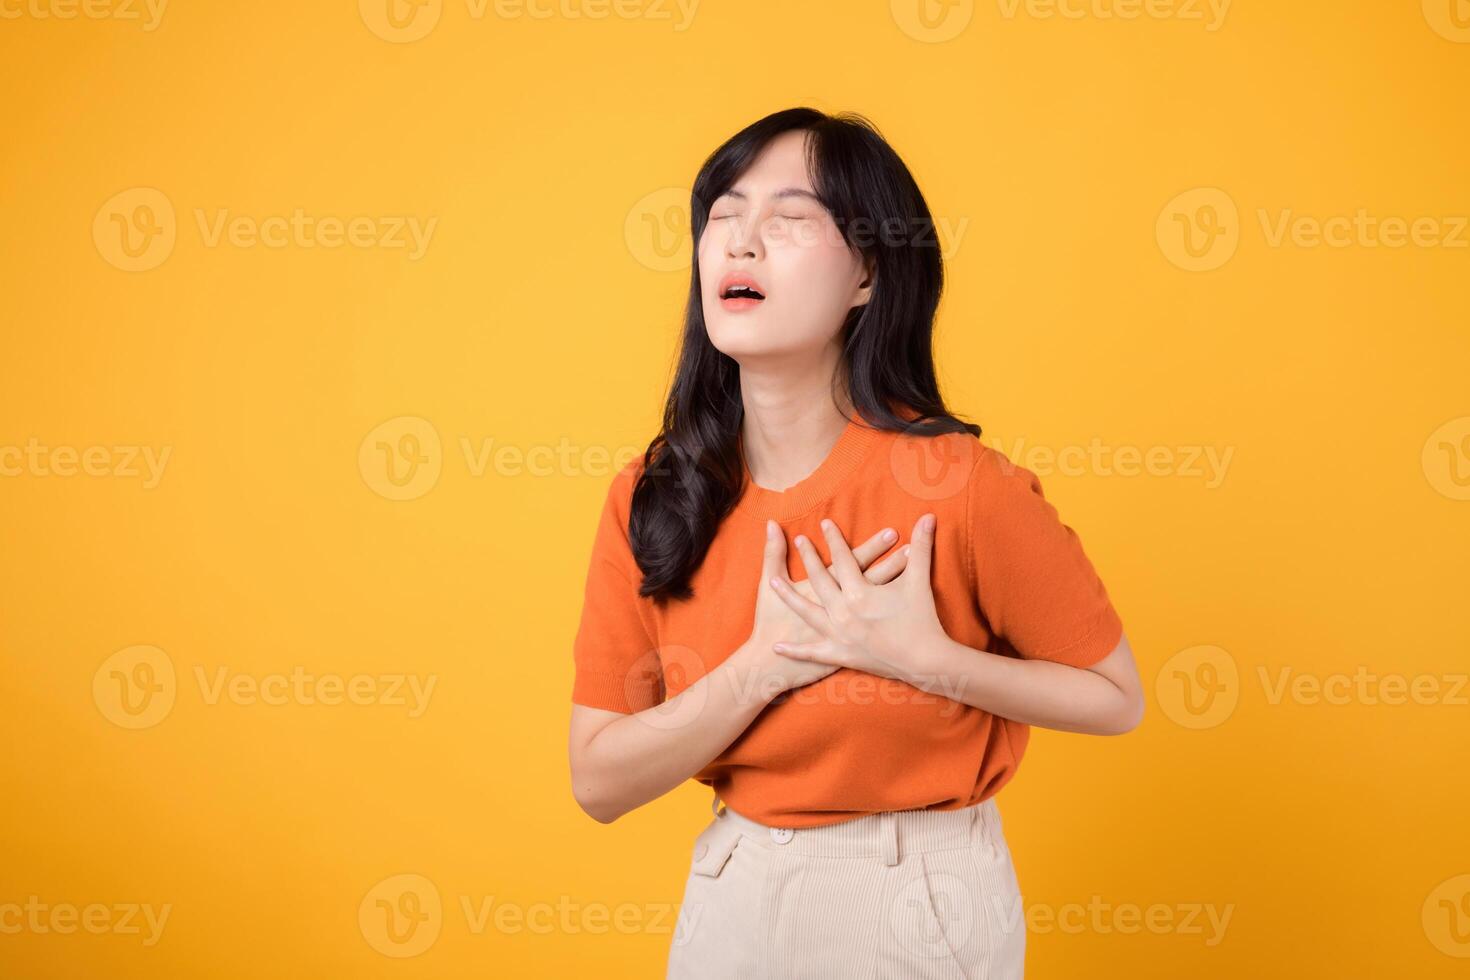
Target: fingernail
{"x": 779, "y": 647}
{"x": 889, "y": 534}
{"x": 826, "y": 524}
{"x": 929, "y": 522}
{"x": 771, "y": 530}
{"x": 801, "y": 539}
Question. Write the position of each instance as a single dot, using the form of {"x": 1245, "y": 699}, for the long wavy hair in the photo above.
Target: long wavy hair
{"x": 693, "y": 472}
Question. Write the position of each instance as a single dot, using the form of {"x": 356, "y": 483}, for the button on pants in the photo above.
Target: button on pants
{"x": 906, "y": 895}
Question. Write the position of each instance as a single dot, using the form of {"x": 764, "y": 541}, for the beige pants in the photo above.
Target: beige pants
{"x": 907, "y": 895}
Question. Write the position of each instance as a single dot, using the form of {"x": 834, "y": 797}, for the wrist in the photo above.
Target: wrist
{"x": 926, "y": 662}
{"x": 751, "y": 675}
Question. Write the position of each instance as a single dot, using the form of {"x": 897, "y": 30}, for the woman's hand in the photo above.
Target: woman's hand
{"x": 860, "y": 624}
{"x": 777, "y": 622}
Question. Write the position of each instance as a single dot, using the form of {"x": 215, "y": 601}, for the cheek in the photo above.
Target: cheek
{"x": 821, "y": 274}
{"x": 709, "y": 253}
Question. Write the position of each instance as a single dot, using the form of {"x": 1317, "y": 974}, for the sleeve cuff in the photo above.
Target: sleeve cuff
{"x": 1101, "y": 640}
{"x": 613, "y": 692}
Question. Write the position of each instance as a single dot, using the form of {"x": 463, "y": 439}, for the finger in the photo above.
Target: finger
{"x": 887, "y": 570}
{"x": 816, "y": 572}
{"x": 921, "y": 552}
{"x": 773, "y": 558}
{"x": 874, "y": 546}
{"x": 816, "y": 653}
{"x": 810, "y": 612}
{"x": 849, "y": 574}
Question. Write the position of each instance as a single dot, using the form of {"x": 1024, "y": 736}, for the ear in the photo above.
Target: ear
{"x": 865, "y": 288}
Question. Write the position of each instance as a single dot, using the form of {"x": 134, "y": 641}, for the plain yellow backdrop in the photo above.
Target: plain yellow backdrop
{"x": 267, "y": 463}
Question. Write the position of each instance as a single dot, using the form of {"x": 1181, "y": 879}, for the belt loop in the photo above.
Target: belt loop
{"x": 888, "y": 833}
{"x": 990, "y": 825}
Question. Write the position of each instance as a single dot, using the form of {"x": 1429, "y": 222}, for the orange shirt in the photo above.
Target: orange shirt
{"x": 1008, "y": 577}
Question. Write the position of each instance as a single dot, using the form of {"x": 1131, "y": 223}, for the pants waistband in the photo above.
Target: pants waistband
{"x": 887, "y": 834}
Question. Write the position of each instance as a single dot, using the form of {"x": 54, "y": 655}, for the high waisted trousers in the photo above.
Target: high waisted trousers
{"x": 901, "y": 895}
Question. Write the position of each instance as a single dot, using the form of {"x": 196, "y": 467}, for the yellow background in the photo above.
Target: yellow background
{"x": 543, "y": 314}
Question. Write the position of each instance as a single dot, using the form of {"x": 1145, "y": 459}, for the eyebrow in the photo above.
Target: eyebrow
{"x": 783, "y": 192}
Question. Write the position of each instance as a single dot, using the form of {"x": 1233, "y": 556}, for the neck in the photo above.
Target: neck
{"x": 790, "y": 425}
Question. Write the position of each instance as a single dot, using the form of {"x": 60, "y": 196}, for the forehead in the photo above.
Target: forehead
{"x": 778, "y": 171}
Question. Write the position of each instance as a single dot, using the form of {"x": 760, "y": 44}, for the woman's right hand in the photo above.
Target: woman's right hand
{"x": 777, "y": 622}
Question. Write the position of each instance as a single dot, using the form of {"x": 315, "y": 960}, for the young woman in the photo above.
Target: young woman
{"x": 856, "y": 698}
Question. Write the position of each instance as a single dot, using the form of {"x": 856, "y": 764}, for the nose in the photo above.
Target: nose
{"x": 741, "y": 242}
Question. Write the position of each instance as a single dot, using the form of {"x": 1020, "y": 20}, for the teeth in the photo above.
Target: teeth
{"x": 741, "y": 291}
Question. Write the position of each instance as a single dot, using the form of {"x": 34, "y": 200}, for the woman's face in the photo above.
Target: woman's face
{"x": 771, "y": 232}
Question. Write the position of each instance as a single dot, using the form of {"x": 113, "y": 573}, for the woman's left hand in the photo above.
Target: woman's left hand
{"x": 872, "y": 628}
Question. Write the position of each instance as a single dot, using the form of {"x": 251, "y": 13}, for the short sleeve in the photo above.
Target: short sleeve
{"x": 615, "y": 662}
{"x": 1034, "y": 584}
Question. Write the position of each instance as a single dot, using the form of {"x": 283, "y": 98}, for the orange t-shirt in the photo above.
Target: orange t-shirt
{"x": 1008, "y": 578}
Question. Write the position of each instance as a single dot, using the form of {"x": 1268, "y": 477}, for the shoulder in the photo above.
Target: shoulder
{"x": 1001, "y": 490}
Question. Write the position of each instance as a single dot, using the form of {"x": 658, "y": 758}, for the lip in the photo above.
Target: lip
{"x": 740, "y": 279}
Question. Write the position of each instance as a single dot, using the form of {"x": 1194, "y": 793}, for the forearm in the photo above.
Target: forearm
{"x": 1036, "y": 692}
{"x": 641, "y": 757}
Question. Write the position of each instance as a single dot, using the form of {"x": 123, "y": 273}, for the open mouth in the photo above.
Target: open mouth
{"x": 742, "y": 292}
{"x": 739, "y": 292}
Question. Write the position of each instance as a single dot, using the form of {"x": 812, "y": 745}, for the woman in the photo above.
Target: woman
{"x": 856, "y": 708}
